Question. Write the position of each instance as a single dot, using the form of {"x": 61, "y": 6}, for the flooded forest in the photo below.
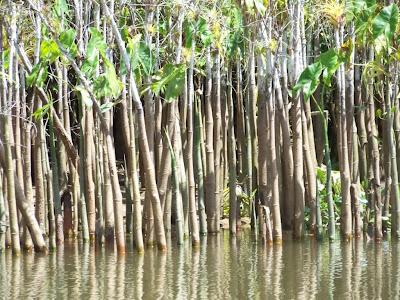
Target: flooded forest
{"x": 130, "y": 130}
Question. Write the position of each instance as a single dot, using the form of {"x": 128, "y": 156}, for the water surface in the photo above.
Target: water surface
{"x": 223, "y": 268}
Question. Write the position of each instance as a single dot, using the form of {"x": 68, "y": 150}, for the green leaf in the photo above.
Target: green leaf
{"x": 309, "y": 80}
{"x": 330, "y": 62}
{"x": 188, "y": 29}
{"x": 41, "y": 111}
{"x": 96, "y": 45}
{"x": 107, "y": 84}
{"x": 170, "y": 80}
{"x": 385, "y": 22}
{"x": 84, "y": 95}
{"x": 61, "y": 8}
{"x": 38, "y": 75}
{"x": 106, "y": 106}
{"x": 357, "y": 7}
{"x": 67, "y": 40}
{"x": 140, "y": 55}
{"x": 204, "y": 32}
{"x": 145, "y": 58}
{"x": 49, "y": 51}
{"x": 6, "y": 58}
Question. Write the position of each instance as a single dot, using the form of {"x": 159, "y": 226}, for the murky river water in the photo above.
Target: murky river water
{"x": 223, "y": 268}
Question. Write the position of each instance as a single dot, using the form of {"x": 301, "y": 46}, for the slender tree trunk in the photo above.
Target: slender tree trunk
{"x": 3, "y": 226}
{"x": 7, "y": 98}
{"x": 288, "y": 180}
{"x": 210, "y": 187}
{"x": 374, "y": 155}
{"x": 56, "y": 190}
{"x": 149, "y": 121}
{"x": 391, "y": 100}
{"x": 346, "y": 224}
{"x": 143, "y": 141}
{"x": 297, "y": 131}
{"x": 88, "y": 173}
{"x": 275, "y": 204}
{"x": 189, "y": 154}
{"x": 199, "y": 158}
{"x": 231, "y": 156}
{"x": 217, "y": 136}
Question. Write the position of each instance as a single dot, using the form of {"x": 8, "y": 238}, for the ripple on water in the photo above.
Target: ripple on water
{"x": 222, "y": 268}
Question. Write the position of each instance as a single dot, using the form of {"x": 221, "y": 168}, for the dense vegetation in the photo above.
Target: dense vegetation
{"x": 150, "y": 117}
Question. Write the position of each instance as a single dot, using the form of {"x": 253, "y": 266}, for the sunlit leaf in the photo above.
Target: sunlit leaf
{"x": 330, "y": 62}
{"x": 41, "y": 111}
{"x": 6, "y": 58}
{"x": 386, "y": 22}
{"x": 106, "y": 106}
{"x": 49, "y": 51}
{"x": 60, "y": 8}
{"x": 170, "y": 80}
{"x": 107, "y": 84}
{"x": 309, "y": 80}
{"x": 38, "y": 75}
{"x": 67, "y": 40}
{"x": 204, "y": 32}
{"x": 261, "y": 9}
{"x": 96, "y": 45}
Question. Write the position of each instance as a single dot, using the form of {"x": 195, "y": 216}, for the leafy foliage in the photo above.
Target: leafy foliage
{"x": 60, "y": 8}
{"x": 38, "y": 75}
{"x": 96, "y": 46}
{"x": 107, "y": 84}
{"x": 42, "y": 111}
{"x": 169, "y": 80}
{"x": 309, "y": 79}
{"x": 385, "y": 22}
{"x": 67, "y": 40}
{"x": 326, "y": 64}
{"x": 49, "y": 51}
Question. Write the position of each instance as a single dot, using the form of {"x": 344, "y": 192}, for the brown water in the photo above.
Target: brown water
{"x": 222, "y": 268}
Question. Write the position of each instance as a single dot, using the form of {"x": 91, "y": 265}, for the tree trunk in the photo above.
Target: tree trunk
{"x": 210, "y": 187}
{"x": 297, "y": 131}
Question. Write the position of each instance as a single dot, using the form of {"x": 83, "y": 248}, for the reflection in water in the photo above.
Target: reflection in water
{"x": 223, "y": 267}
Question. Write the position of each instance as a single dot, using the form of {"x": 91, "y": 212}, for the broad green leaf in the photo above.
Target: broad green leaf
{"x": 61, "y": 8}
{"x": 188, "y": 29}
{"x": 141, "y": 57}
{"x": 84, "y": 95}
{"x": 176, "y": 84}
{"x": 330, "y": 62}
{"x": 107, "y": 84}
{"x": 170, "y": 80}
{"x": 386, "y": 22}
{"x": 357, "y": 7}
{"x": 6, "y": 58}
{"x": 309, "y": 80}
{"x": 145, "y": 58}
{"x": 106, "y": 106}
{"x": 41, "y": 111}
{"x": 204, "y": 32}
{"x": 49, "y": 51}
{"x": 96, "y": 45}
{"x": 38, "y": 75}
{"x": 67, "y": 40}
